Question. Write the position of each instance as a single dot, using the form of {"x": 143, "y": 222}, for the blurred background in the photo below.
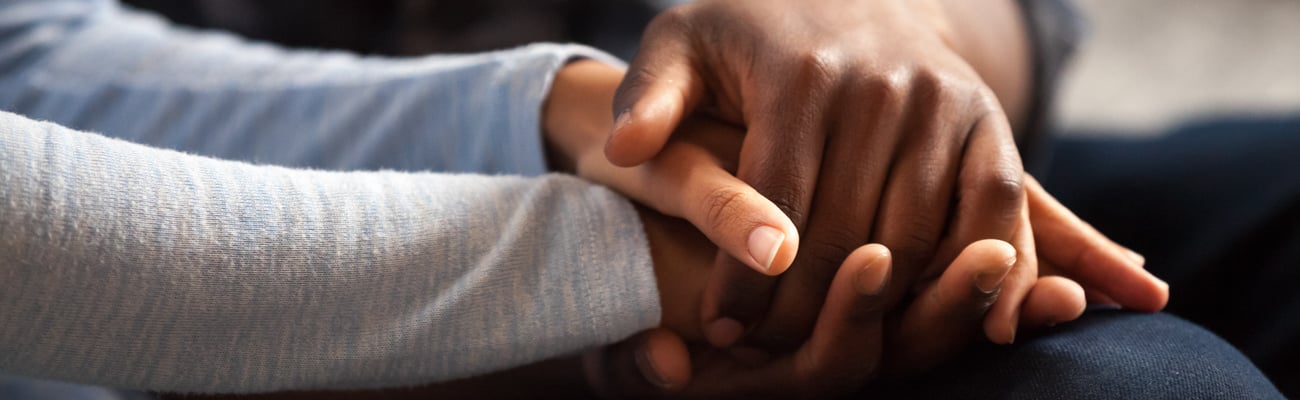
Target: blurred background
{"x": 1151, "y": 64}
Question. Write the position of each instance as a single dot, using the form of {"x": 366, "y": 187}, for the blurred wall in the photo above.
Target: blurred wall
{"x": 1152, "y": 63}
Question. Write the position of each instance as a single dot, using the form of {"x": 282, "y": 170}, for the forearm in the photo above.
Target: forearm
{"x": 143, "y": 268}
{"x": 991, "y": 36}
{"x": 91, "y": 65}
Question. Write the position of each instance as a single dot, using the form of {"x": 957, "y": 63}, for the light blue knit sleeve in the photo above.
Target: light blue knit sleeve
{"x": 135, "y": 267}
{"x": 140, "y": 268}
{"x": 96, "y": 66}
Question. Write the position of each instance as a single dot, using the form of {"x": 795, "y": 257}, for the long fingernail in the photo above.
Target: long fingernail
{"x": 764, "y": 242}
{"x": 991, "y": 281}
{"x": 871, "y": 279}
{"x": 724, "y": 332}
{"x": 648, "y": 370}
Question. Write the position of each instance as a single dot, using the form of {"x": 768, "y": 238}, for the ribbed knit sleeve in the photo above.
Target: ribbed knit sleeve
{"x": 94, "y": 65}
{"x": 135, "y": 267}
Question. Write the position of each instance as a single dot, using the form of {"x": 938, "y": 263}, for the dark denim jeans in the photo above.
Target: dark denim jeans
{"x": 1106, "y": 354}
{"x": 1215, "y": 208}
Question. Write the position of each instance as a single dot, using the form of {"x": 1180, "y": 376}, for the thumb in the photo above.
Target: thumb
{"x": 688, "y": 181}
{"x": 661, "y": 86}
{"x": 948, "y": 313}
{"x": 649, "y": 364}
{"x": 730, "y": 212}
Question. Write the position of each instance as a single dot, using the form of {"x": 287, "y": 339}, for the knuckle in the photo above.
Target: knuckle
{"x": 888, "y": 88}
{"x": 945, "y": 86}
{"x": 1004, "y": 187}
{"x": 819, "y": 66}
{"x": 723, "y": 208}
{"x": 928, "y": 83}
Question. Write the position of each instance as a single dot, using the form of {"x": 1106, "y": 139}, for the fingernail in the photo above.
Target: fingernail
{"x": 648, "y": 369}
{"x": 991, "y": 281}
{"x": 871, "y": 279}
{"x": 724, "y": 332}
{"x": 621, "y": 120}
{"x": 1135, "y": 257}
{"x": 764, "y": 242}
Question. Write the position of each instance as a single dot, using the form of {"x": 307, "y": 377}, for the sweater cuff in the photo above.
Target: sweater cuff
{"x": 527, "y": 96}
{"x": 617, "y": 271}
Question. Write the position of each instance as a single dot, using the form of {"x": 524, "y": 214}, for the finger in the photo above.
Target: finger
{"x": 780, "y": 158}
{"x": 743, "y": 223}
{"x": 1046, "y": 268}
{"x": 844, "y": 207}
{"x": 729, "y": 212}
{"x": 991, "y": 194}
{"x": 1051, "y": 301}
{"x": 1082, "y": 253}
{"x": 1095, "y": 297}
{"x": 661, "y": 86}
{"x": 844, "y": 350}
{"x": 847, "y": 336}
{"x": 917, "y": 197}
{"x": 947, "y": 314}
{"x": 1003, "y": 318}
{"x": 649, "y": 364}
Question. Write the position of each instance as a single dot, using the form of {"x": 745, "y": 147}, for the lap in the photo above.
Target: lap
{"x": 1106, "y": 354}
{"x": 1215, "y": 207}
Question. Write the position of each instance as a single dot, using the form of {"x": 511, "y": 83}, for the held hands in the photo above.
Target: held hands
{"x": 844, "y": 351}
{"x": 696, "y": 169}
{"x": 864, "y": 124}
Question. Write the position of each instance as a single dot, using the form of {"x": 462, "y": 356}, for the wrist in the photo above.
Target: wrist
{"x": 680, "y": 256}
{"x": 576, "y": 116}
{"x": 991, "y": 37}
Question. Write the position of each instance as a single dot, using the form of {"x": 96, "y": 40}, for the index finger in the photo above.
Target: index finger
{"x": 843, "y": 352}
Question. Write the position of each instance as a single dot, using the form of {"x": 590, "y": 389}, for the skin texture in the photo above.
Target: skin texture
{"x": 701, "y": 159}
{"x": 843, "y": 352}
{"x": 852, "y": 326}
{"x": 880, "y": 97}
{"x": 864, "y": 123}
